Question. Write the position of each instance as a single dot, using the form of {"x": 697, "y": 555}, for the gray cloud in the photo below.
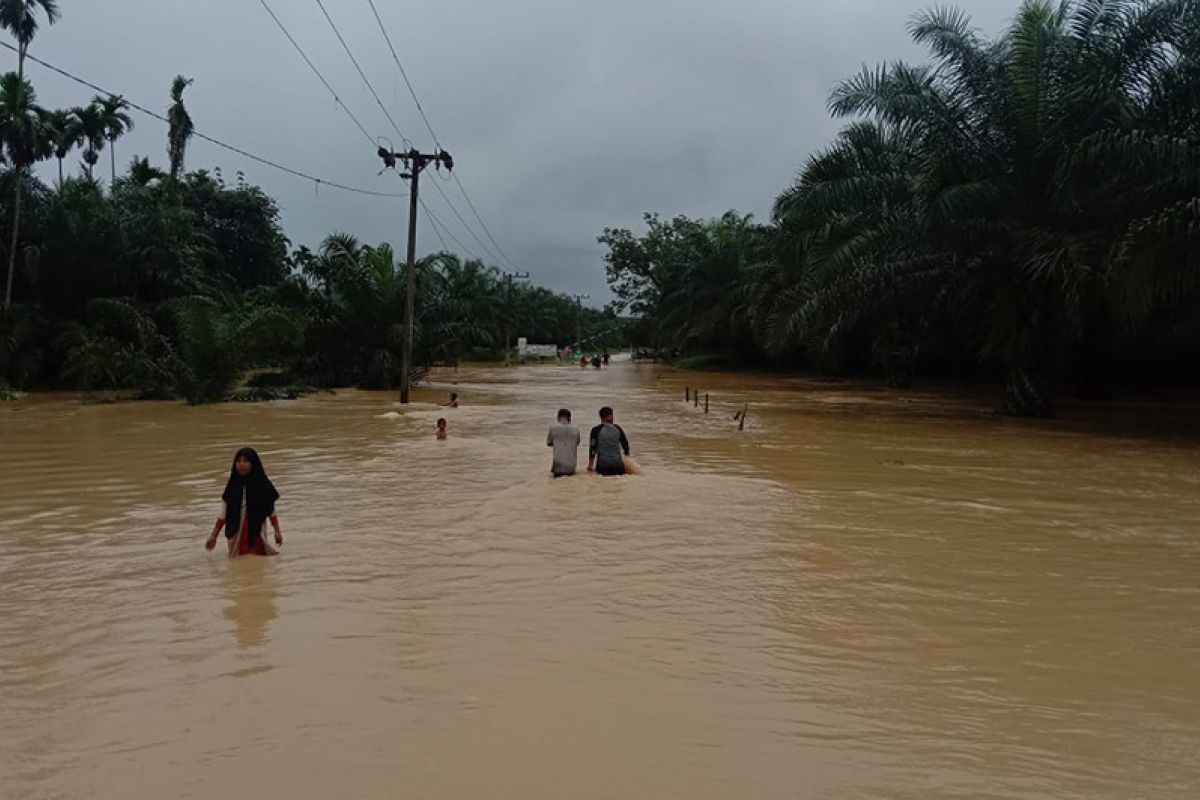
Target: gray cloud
{"x": 564, "y": 116}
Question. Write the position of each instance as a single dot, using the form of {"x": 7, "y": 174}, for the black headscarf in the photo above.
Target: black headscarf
{"x": 260, "y": 497}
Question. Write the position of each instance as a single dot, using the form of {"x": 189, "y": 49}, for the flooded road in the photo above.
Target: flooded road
{"x": 863, "y": 595}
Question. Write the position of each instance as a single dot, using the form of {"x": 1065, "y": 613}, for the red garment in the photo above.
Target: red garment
{"x": 240, "y": 545}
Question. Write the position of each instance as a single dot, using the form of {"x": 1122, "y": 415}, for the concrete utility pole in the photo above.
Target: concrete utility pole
{"x": 579, "y": 298}
{"x": 510, "y": 302}
{"x": 415, "y": 162}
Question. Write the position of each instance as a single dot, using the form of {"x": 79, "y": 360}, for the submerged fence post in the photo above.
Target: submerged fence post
{"x": 742, "y": 421}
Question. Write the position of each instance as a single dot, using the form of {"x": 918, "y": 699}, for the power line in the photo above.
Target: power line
{"x": 482, "y": 224}
{"x": 316, "y": 71}
{"x": 467, "y": 227}
{"x": 407, "y": 143}
{"x": 363, "y": 75}
{"x": 433, "y": 218}
{"x": 205, "y": 137}
{"x": 407, "y": 82}
{"x": 442, "y": 239}
{"x": 432, "y": 133}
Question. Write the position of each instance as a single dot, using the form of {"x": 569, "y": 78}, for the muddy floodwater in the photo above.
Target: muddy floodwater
{"x": 862, "y": 595}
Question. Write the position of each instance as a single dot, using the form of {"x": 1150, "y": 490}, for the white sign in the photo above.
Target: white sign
{"x": 539, "y": 351}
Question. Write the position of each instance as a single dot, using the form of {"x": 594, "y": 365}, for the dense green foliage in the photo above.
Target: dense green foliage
{"x": 1029, "y": 205}
{"x": 175, "y": 284}
{"x": 177, "y": 289}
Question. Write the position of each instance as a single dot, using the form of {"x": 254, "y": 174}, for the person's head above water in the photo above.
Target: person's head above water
{"x": 245, "y": 463}
{"x": 564, "y": 415}
{"x": 606, "y": 414}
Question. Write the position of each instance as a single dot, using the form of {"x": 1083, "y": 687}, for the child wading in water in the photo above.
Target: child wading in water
{"x": 441, "y": 429}
{"x": 249, "y": 500}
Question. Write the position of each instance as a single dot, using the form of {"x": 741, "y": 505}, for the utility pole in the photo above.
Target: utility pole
{"x": 508, "y": 313}
{"x": 415, "y": 162}
{"x": 579, "y": 298}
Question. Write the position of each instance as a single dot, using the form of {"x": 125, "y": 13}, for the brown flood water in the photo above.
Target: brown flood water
{"x": 863, "y": 595}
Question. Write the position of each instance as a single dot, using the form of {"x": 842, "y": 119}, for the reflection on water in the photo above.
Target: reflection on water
{"x": 863, "y": 594}
{"x": 250, "y": 585}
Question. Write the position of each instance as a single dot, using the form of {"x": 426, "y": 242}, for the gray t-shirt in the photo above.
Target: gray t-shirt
{"x": 564, "y": 438}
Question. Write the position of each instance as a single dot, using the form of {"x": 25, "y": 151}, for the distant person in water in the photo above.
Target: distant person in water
{"x": 453, "y": 400}
{"x": 564, "y": 438}
{"x": 607, "y": 445}
{"x": 249, "y": 504}
{"x": 441, "y": 429}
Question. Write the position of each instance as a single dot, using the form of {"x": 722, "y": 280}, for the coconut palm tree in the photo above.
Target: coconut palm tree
{"x": 20, "y": 18}
{"x": 91, "y": 127}
{"x": 117, "y": 123}
{"x": 181, "y": 126}
{"x": 25, "y": 142}
{"x": 65, "y": 133}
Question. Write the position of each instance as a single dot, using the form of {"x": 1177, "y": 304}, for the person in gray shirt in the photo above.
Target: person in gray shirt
{"x": 606, "y": 445}
{"x": 564, "y": 438}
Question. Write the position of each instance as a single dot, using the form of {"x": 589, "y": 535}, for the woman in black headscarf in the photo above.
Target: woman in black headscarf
{"x": 249, "y": 499}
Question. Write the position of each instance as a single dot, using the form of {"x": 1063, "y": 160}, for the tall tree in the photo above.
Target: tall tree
{"x": 181, "y": 129}
{"x": 20, "y": 18}
{"x": 25, "y": 143}
{"x": 91, "y": 127}
{"x": 117, "y": 123}
{"x": 65, "y": 134}
{"x": 1017, "y": 184}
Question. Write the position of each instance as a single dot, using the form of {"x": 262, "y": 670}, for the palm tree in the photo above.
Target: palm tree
{"x": 1005, "y": 183}
{"x": 91, "y": 127}
{"x": 24, "y": 143}
{"x": 142, "y": 174}
{"x": 116, "y": 123}
{"x": 20, "y": 18}
{"x": 65, "y": 133}
{"x": 181, "y": 126}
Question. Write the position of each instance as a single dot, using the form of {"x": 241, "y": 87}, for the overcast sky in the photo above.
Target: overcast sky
{"x": 564, "y": 116}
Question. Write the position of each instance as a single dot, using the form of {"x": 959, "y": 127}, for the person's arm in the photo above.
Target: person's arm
{"x": 592, "y": 449}
{"x": 624, "y": 441}
{"x": 211, "y": 542}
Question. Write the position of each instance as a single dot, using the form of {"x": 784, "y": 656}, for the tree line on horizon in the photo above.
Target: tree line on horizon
{"x": 1026, "y": 207}
{"x": 170, "y": 283}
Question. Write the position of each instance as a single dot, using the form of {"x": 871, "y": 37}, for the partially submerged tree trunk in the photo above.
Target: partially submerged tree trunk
{"x": 1027, "y": 394}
